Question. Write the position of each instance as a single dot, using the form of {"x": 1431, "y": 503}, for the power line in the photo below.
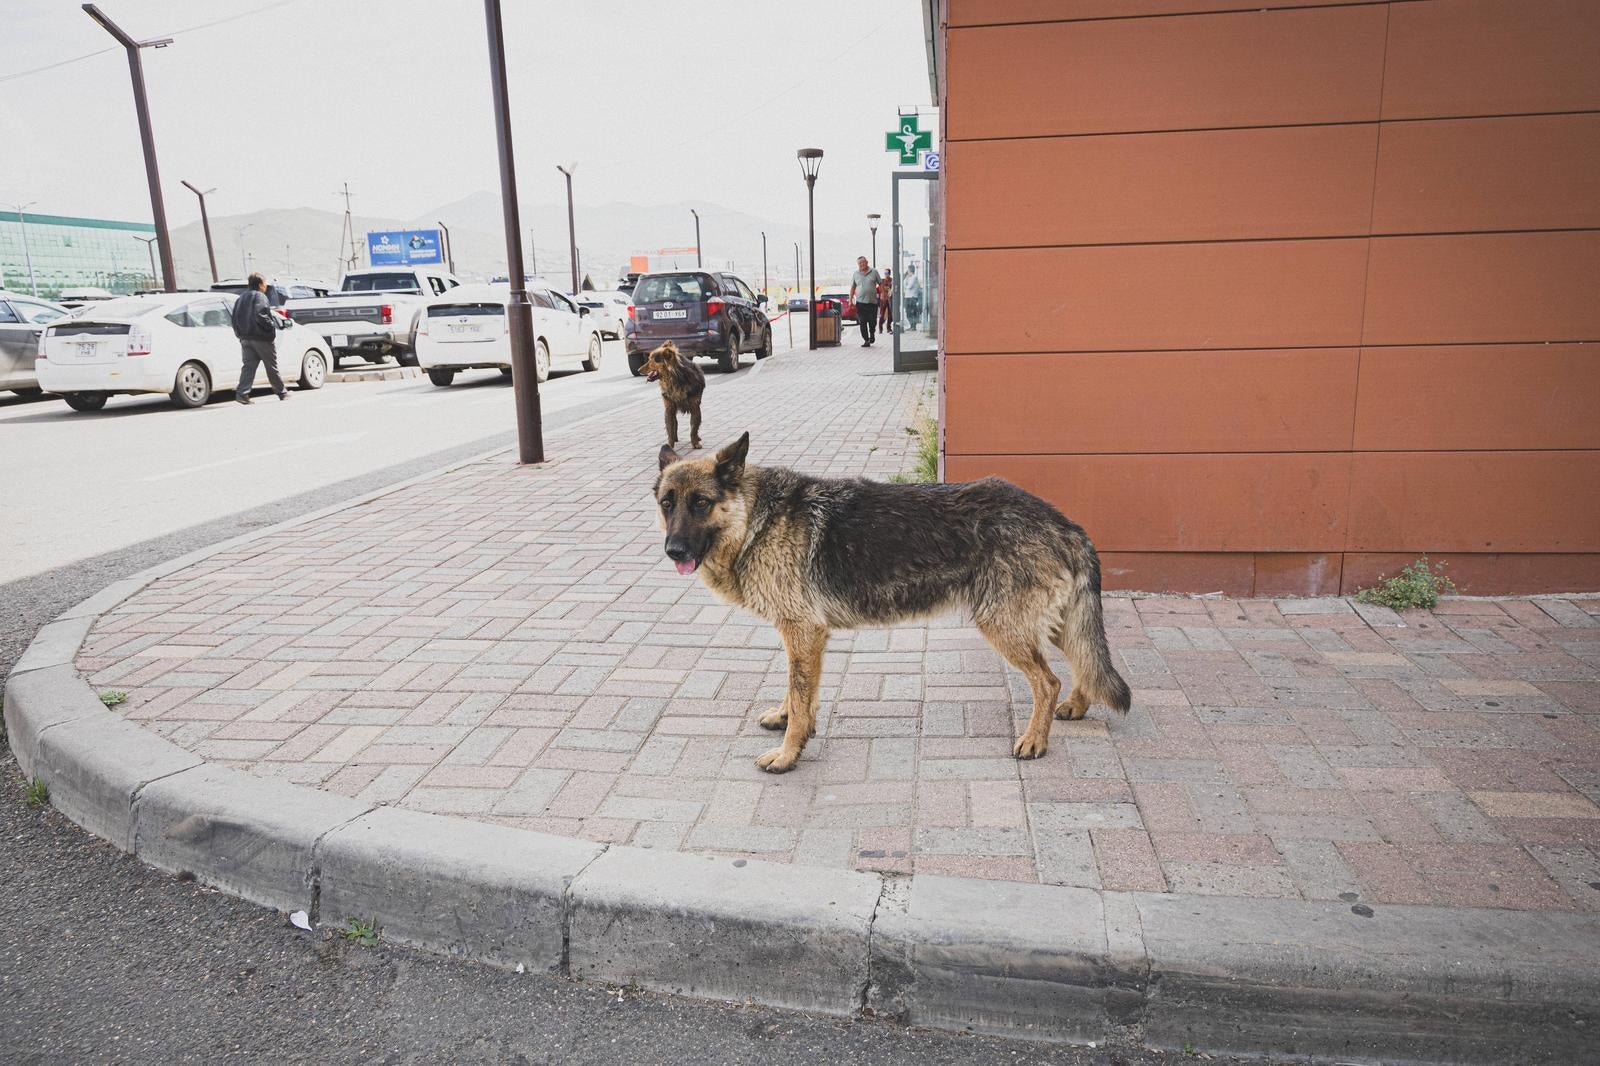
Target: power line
{"x": 170, "y": 33}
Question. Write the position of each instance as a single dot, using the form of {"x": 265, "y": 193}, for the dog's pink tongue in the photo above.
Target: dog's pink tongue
{"x": 686, "y": 566}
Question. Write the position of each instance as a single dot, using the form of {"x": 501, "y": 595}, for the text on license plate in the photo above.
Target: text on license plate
{"x": 470, "y": 327}
{"x": 671, "y": 314}
{"x": 88, "y": 349}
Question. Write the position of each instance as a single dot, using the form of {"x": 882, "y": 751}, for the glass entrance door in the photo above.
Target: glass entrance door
{"x": 916, "y": 270}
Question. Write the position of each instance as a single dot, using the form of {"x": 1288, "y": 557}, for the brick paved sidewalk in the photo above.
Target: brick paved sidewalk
{"x": 510, "y": 645}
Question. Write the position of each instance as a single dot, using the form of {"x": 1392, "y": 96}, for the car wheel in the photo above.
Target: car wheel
{"x": 766, "y": 345}
{"x": 728, "y": 361}
{"x": 636, "y": 365}
{"x": 313, "y": 370}
{"x": 404, "y": 357}
{"x": 595, "y": 349}
{"x": 505, "y": 372}
{"x": 541, "y": 363}
{"x": 441, "y": 376}
{"x": 192, "y": 386}
{"x": 85, "y": 401}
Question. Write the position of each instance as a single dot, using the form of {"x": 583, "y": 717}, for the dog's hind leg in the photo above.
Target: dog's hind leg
{"x": 694, "y": 423}
{"x": 672, "y": 423}
{"x": 805, "y": 643}
{"x": 1019, "y": 646}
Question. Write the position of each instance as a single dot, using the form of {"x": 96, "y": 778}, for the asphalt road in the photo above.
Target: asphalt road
{"x": 103, "y": 959}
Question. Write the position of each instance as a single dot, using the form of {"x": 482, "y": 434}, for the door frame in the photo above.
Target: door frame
{"x": 921, "y": 359}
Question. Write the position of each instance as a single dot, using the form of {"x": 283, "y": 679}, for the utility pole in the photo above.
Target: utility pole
{"x": 244, "y": 260}
{"x": 765, "y": 280}
{"x": 533, "y": 250}
{"x": 348, "y": 239}
{"x": 141, "y": 107}
{"x": 205, "y": 224}
{"x": 519, "y": 311}
{"x": 449, "y": 251}
{"x": 572, "y": 230}
{"x": 22, "y": 224}
{"x": 696, "y": 215}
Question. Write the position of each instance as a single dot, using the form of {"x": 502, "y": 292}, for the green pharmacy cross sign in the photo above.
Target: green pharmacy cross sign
{"x": 909, "y": 140}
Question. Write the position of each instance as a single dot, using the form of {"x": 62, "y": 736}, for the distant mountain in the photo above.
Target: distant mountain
{"x": 306, "y": 241}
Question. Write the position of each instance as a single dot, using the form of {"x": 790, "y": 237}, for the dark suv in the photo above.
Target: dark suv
{"x": 702, "y": 312}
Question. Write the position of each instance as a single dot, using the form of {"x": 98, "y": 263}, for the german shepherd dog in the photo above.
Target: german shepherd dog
{"x": 681, "y": 385}
{"x": 814, "y": 554}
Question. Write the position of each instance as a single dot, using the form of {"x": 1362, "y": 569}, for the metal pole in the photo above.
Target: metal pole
{"x": 22, "y": 224}
{"x": 766, "y": 282}
{"x": 811, "y": 231}
{"x": 449, "y": 249}
{"x": 205, "y": 224}
{"x": 572, "y": 230}
{"x": 533, "y": 251}
{"x": 244, "y": 260}
{"x": 519, "y": 312}
{"x": 796, "y": 289}
{"x": 146, "y": 135}
{"x": 149, "y": 246}
{"x": 696, "y": 215}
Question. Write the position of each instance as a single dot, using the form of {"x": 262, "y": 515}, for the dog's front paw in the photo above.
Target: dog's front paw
{"x": 1030, "y": 746}
{"x": 775, "y": 719}
{"x": 695, "y": 444}
{"x": 777, "y": 761}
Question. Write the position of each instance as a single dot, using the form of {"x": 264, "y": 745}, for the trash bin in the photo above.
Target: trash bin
{"x": 830, "y": 319}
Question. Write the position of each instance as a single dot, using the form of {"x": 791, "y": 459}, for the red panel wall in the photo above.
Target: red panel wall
{"x": 1275, "y": 300}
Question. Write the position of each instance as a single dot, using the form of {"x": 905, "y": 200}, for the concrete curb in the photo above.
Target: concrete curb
{"x": 1281, "y": 977}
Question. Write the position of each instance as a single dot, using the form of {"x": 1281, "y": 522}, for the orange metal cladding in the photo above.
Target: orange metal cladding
{"x": 1310, "y": 289}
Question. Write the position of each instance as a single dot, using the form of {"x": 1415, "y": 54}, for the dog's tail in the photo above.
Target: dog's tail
{"x": 1082, "y": 636}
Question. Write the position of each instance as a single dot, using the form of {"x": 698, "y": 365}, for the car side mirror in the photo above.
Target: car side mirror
{"x": 761, "y": 300}
{"x": 583, "y": 311}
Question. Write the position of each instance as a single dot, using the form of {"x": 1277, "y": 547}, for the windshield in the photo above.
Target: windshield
{"x": 125, "y": 308}
{"x": 397, "y": 282}
{"x": 662, "y": 287}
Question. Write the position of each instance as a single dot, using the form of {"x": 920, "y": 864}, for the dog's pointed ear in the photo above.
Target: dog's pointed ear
{"x": 730, "y": 459}
{"x": 667, "y": 457}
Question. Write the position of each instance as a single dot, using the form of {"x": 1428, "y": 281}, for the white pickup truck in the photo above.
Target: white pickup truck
{"x": 374, "y": 313}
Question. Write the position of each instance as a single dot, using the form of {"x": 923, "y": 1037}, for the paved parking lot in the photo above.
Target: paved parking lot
{"x": 141, "y": 468}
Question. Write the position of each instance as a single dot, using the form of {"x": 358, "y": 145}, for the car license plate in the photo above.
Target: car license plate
{"x": 671, "y": 314}
{"x": 341, "y": 340}
{"x": 87, "y": 349}
{"x": 469, "y": 327}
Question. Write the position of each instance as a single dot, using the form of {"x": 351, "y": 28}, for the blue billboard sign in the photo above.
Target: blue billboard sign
{"x": 400, "y": 247}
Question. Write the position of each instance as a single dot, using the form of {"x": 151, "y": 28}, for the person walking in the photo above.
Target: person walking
{"x": 257, "y": 329}
{"x": 886, "y": 303}
{"x": 864, "y": 294}
{"x": 911, "y": 296}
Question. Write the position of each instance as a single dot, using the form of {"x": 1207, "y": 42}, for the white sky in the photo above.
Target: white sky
{"x": 657, "y": 100}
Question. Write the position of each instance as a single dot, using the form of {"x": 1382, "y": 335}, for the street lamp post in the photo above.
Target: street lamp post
{"x": 810, "y": 163}
{"x": 149, "y": 246}
{"x": 766, "y": 282}
{"x": 22, "y": 224}
{"x": 449, "y": 249}
{"x": 572, "y": 230}
{"x": 244, "y": 260}
{"x": 205, "y": 224}
{"x": 696, "y": 215}
{"x": 872, "y": 224}
{"x": 146, "y": 135}
{"x": 519, "y": 312}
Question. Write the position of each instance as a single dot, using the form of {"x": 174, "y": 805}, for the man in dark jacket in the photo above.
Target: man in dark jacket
{"x": 257, "y": 329}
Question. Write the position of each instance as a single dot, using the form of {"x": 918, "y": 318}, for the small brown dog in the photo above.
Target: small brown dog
{"x": 681, "y": 385}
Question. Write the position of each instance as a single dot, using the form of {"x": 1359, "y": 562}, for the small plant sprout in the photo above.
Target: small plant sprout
{"x": 359, "y": 931}
{"x": 1417, "y": 586}
{"x": 37, "y": 793}
{"x": 113, "y": 696}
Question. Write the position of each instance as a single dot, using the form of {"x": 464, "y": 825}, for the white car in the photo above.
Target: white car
{"x": 180, "y": 344}
{"x": 609, "y": 309}
{"x": 466, "y": 330}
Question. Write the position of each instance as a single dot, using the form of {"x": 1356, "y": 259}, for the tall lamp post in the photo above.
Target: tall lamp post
{"x": 22, "y": 224}
{"x": 872, "y": 224}
{"x": 244, "y": 260}
{"x": 146, "y": 135}
{"x": 572, "y": 230}
{"x": 810, "y": 163}
{"x": 449, "y": 249}
{"x": 205, "y": 224}
{"x": 696, "y": 215}
{"x": 766, "y": 282}
{"x": 519, "y": 312}
{"x": 149, "y": 246}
